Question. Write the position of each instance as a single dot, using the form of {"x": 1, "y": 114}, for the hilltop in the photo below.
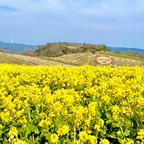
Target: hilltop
{"x": 62, "y": 48}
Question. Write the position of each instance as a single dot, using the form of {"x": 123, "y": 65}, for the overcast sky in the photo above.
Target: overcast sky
{"x": 110, "y": 22}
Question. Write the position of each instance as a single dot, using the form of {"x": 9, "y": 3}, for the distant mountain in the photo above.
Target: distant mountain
{"x": 16, "y": 47}
{"x": 122, "y": 49}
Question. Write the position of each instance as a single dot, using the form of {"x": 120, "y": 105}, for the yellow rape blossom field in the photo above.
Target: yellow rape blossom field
{"x": 71, "y": 105}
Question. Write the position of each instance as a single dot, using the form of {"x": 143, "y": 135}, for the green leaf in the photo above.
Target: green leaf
{"x": 114, "y": 124}
{"x": 5, "y": 141}
{"x": 127, "y": 132}
{"x": 33, "y": 128}
{"x": 1, "y": 139}
{"x": 109, "y": 121}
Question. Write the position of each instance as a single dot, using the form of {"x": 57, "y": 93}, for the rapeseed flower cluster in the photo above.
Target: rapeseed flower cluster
{"x": 71, "y": 105}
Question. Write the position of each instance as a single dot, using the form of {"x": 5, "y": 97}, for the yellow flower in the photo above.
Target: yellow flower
{"x": 1, "y": 126}
{"x": 63, "y": 130}
{"x": 57, "y": 107}
{"x": 83, "y": 136}
{"x": 51, "y": 114}
{"x": 54, "y": 138}
{"x": 115, "y": 109}
{"x": 92, "y": 139}
{"x": 104, "y": 141}
{"x": 13, "y": 131}
{"x": 92, "y": 108}
{"x": 79, "y": 142}
{"x": 88, "y": 121}
{"x": 97, "y": 127}
{"x": 118, "y": 133}
{"x": 5, "y": 116}
{"x": 101, "y": 123}
{"x": 19, "y": 113}
{"x": 140, "y": 134}
{"x": 20, "y": 142}
{"x": 45, "y": 122}
{"x": 127, "y": 141}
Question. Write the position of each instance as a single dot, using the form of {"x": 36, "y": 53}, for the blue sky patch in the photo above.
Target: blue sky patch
{"x": 6, "y": 8}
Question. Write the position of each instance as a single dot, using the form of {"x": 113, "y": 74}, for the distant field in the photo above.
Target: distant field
{"x": 75, "y": 59}
{"x": 91, "y": 59}
{"x": 121, "y": 56}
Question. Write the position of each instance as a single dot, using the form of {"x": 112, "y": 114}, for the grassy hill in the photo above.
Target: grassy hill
{"x": 27, "y": 60}
{"x": 74, "y": 59}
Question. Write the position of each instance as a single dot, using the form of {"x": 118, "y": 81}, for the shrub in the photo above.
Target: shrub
{"x": 61, "y": 48}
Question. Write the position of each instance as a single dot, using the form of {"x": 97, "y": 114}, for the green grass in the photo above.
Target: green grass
{"x": 122, "y": 56}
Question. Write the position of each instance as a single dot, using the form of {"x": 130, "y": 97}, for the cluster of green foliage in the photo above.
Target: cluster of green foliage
{"x": 93, "y": 48}
{"x": 61, "y": 48}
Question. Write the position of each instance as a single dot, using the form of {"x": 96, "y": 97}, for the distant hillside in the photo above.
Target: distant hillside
{"x": 75, "y": 59}
{"x": 61, "y": 48}
{"x": 122, "y": 49}
{"x": 26, "y": 60}
{"x": 16, "y": 47}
